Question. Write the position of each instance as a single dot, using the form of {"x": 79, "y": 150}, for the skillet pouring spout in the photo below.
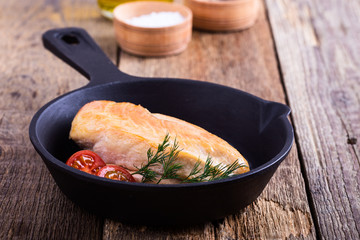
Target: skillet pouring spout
{"x": 259, "y": 129}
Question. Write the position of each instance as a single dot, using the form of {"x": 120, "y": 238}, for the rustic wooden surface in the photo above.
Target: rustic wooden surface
{"x": 318, "y": 47}
{"x": 303, "y": 53}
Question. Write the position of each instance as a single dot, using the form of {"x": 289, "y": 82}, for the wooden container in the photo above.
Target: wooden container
{"x": 223, "y": 15}
{"x": 152, "y": 41}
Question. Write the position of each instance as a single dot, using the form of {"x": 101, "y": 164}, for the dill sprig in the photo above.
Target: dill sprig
{"x": 210, "y": 172}
{"x": 169, "y": 164}
{"x": 149, "y": 175}
{"x": 161, "y": 157}
{"x": 167, "y": 159}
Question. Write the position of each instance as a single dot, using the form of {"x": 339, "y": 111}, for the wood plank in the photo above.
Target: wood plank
{"x": 244, "y": 60}
{"x": 31, "y": 205}
{"x": 31, "y": 77}
{"x": 318, "y": 47}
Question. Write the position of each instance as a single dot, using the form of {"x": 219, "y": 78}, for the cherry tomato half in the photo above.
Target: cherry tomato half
{"x": 116, "y": 173}
{"x": 87, "y": 161}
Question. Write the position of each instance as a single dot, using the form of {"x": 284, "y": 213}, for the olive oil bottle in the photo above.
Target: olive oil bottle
{"x": 107, "y": 6}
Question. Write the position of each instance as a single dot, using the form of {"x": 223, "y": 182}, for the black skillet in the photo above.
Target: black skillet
{"x": 259, "y": 129}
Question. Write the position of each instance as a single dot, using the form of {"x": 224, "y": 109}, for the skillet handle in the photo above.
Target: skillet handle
{"x": 79, "y": 50}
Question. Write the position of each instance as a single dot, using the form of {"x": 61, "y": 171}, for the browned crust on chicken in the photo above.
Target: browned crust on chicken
{"x": 121, "y": 133}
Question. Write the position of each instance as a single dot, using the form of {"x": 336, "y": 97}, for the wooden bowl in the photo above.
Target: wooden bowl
{"x": 223, "y": 15}
{"x": 152, "y": 41}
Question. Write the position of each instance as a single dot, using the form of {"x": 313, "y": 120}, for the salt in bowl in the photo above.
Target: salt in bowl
{"x": 152, "y": 39}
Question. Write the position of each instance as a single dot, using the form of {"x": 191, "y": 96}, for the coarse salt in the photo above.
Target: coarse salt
{"x": 156, "y": 19}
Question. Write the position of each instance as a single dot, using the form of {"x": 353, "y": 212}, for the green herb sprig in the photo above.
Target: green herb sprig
{"x": 163, "y": 158}
{"x": 167, "y": 159}
{"x": 210, "y": 172}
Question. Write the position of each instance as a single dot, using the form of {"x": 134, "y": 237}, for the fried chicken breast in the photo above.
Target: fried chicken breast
{"x": 121, "y": 133}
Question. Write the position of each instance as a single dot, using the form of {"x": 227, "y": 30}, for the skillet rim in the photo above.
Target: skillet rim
{"x": 47, "y": 156}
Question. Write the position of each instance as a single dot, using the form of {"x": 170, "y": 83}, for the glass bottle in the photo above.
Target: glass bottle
{"x": 107, "y": 6}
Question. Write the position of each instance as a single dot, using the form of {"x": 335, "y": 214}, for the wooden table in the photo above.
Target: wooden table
{"x": 304, "y": 53}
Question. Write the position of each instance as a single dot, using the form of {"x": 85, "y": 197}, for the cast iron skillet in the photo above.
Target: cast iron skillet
{"x": 259, "y": 129}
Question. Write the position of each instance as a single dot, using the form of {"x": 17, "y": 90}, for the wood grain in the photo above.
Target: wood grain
{"x": 244, "y": 60}
{"x": 318, "y": 47}
{"x": 32, "y": 207}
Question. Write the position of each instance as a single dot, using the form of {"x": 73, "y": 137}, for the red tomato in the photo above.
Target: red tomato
{"x": 116, "y": 173}
{"x": 86, "y": 161}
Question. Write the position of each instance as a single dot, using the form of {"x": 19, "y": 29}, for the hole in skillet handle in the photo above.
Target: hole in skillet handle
{"x": 70, "y": 39}
{"x": 76, "y": 47}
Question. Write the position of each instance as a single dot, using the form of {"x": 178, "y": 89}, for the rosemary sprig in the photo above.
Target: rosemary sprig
{"x": 167, "y": 159}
